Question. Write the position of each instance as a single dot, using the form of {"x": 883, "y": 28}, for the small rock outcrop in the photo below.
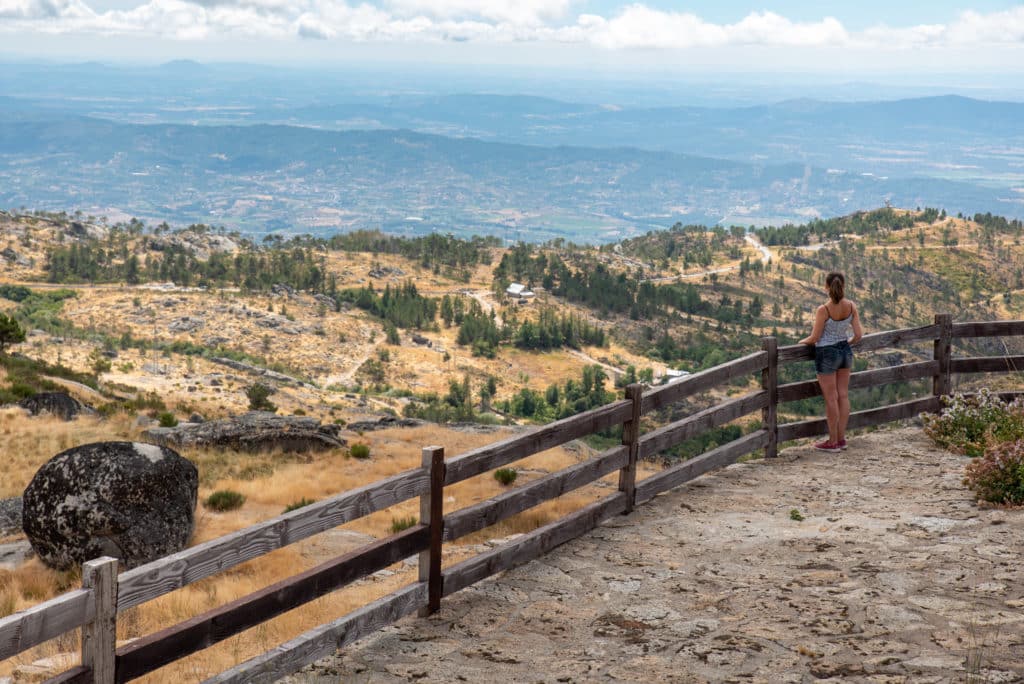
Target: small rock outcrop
{"x": 59, "y": 404}
{"x": 253, "y": 431}
{"x": 130, "y": 500}
{"x": 10, "y": 516}
{"x": 383, "y": 424}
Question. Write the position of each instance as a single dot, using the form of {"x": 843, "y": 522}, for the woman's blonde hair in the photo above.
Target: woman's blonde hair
{"x": 836, "y": 283}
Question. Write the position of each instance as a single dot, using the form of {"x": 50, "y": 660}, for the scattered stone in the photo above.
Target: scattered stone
{"x": 144, "y": 421}
{"x": 14, "y": 554}
{"x": 385, "y": 271}
{"x": 383, "y": 424}
{"x": 10, "y": 516}
{"x": 129, "y": 500}
{"x": 60, "y": 404}
{"x": 252, "y": 432}
{"x": 14, "y": 257}
{"x": 282, "y": 289}
{"x": 256, "y": 370}
{"x": 326, "y": 300}
{"x": 187, "y": 324}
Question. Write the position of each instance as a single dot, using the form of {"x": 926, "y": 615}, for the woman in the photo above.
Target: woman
{"x": 833, "y": 358}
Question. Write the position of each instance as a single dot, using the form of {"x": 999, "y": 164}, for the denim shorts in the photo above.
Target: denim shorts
{"x": 827, "y": 360}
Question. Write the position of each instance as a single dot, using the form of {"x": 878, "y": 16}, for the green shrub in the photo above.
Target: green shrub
{"x": 969, "y": 425}
{"x": 399, "y": 524}
{"x": 224, "y": 500}
{"x": 167, "y": 419}
{"x": 795, "y": 514}
{"x": 301, "y": 503}
{"x": 257, "y": 395}
{"x": 998, "y": 476}
{"x": 506, "y": 476}
{"x": 359, "y": 450}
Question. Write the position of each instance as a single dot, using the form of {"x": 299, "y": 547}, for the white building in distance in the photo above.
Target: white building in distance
{"x": 519, "y": 292}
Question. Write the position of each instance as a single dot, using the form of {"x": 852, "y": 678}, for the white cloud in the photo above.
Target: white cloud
{"x": 635, "y": 26}
{"x": 515, "y": 12}
{"x": 42, "y": 9}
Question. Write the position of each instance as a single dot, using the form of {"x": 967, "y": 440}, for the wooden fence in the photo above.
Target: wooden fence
{"x": 105, "y": 594}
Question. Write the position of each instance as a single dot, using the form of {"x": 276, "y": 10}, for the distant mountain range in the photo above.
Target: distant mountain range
{"x": 523, "y": 166}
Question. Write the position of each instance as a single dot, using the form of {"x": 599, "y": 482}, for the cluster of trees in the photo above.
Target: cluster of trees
{"x": 403, "y": 306}
{"x": 457, "y": 405}
{"x": 553, "y": 330}
{"x": 860, "y": 223}
{"x": 431, "y": 251}
{"x": 480, "y": 331}
{"x": 562, "y": 401}
{"x": 90, "y": 261}
{"x": 693, "y": 243}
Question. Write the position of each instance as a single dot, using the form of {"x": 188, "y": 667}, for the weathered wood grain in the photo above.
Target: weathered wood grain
{"x": 202, "y": 631}
{"x": 885, "y": 414}
{"x": 32, "y": 626}
{"x": 325, "y": 639}
{"x": 704, "y": 380}
{"x": 180, "y": 569}
{"x": 432, "y": 515}
{"x": 687, "y": 470}
{"x": 988, "y": 329}
{"x": 501, "y": 453}
{"x": 532, "y": 545}
{"x": 942, "y": 383}
{"x": 770, "y": 384}
{"x": 795, "y": 391}
{"x": 691, "y": 426}
{"x": 76, "y": 675}
{"x": 988, "y": 364}
{"x": 506, "y": 504}
{"x": 631, "y": 440}
{"x": 99, "y": 636}
{"x": 872, "y": 342}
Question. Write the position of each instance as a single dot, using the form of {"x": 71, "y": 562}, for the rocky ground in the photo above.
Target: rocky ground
{"x": 893, "y": 575}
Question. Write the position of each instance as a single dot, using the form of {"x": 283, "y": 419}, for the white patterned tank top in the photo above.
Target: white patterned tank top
{"x": 835, "y": 331}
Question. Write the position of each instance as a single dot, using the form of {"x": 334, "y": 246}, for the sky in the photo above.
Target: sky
{"x": 869, "y": 36}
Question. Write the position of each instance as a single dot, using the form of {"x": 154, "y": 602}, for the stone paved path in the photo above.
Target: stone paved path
{"x": 894, "y": 575}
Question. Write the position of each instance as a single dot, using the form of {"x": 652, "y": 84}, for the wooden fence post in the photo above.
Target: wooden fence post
{"x": 99, "y": 637}
{"x": 432, "y": 515}
{"x": 631, "y": 439}
{"x": 770, "y": 383}
{"x": 942, "y": 383}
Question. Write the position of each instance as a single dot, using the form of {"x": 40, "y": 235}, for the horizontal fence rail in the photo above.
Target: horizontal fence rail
{"x": 94, "y": 606}
{"x": 164, "y": 575}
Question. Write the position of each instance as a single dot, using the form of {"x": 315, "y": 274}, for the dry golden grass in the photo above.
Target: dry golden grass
{"x": 270, "y": 481}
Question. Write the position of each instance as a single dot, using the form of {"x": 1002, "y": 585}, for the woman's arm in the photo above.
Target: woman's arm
{"x": 858, "y": 332}
{"x": 819, "y": 327}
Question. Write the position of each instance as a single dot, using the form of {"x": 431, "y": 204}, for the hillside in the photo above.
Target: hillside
{"x": 145, "y": 322}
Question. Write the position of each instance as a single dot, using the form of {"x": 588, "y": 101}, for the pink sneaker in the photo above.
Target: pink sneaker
{"x": 842, "y": 444}
{"x": 828, "y": 446}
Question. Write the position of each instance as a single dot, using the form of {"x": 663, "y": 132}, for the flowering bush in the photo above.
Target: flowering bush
{"x": 998, "y": 476}
{"x": 971, "y": 424}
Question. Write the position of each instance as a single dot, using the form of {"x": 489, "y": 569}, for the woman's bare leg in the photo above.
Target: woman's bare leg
{"x": 828, "y": 391}
{"x": 843, "y": 400}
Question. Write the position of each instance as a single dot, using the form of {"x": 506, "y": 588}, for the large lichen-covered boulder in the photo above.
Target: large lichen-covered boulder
{"x": 129, "y": 500}
{"x": 60, "y": 404}
{"x": 254, "y": 431}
